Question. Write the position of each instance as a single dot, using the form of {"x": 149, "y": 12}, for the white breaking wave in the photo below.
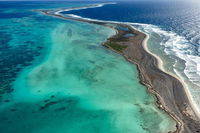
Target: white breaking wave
{"x": 74, "y": 16}
{"x": 180, "y": 47}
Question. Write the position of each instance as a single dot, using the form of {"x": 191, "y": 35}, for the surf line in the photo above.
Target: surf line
{"x": 168, "y": 90}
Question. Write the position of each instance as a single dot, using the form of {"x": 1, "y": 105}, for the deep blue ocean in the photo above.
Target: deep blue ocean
{"x": 180, "y": 17}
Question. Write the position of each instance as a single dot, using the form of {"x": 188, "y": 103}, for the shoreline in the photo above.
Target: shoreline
{"x": 160, "y": 65}
{"x": 165, "y": 98}
{"x": 156, "y": 95}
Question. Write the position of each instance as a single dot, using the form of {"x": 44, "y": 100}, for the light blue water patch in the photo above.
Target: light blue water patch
{"x": 122, "y": 28}
{"x": 101, "y": 89}
{"x": 129, "y": 35}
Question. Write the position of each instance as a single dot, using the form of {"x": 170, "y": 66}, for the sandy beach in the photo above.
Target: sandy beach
{"x": 170, "y": 93}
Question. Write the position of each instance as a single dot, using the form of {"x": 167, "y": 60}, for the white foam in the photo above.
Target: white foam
{"x": 178, "y": 46}
{"x": 74, "y": 16}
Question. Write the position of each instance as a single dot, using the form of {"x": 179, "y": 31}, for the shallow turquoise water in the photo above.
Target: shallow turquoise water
{"x": 75, "y": 85}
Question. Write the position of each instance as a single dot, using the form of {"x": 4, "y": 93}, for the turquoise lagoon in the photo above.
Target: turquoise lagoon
{"x": 65, "y": 81}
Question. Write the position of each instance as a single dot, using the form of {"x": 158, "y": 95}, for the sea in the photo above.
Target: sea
{"x": 56, "y": 77}
{"x": 173, "y": 27}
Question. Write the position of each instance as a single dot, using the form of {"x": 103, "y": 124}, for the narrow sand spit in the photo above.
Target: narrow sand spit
{"x": 169, "y": 92}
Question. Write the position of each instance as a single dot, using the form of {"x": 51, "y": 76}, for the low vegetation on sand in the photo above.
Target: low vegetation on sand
{"x": 115, "y": 46}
